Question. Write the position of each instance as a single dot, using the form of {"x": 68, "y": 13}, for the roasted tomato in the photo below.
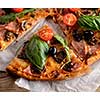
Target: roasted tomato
{"x": 69, "y": 19}
{"x": 17, "y": 10}
{"x": 46, "y": 34}
{"x": 74, "y": 9}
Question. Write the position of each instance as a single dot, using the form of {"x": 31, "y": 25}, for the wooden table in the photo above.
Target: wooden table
{"x": 7, "y": 84}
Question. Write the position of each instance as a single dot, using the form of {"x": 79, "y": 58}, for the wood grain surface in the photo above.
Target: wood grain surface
{"x": 7, "y": 84}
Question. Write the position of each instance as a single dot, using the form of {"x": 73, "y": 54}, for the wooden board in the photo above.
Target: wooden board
{"x": 7, "y": 84}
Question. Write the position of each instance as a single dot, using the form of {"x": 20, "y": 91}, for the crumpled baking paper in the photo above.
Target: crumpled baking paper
{"x": 85, "y": 83}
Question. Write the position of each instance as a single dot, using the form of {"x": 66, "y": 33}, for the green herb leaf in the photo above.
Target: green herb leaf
{"x": 60, "y": 39}
{"x": 36, "y": 51}
{"x": 65, "y": 45}
{"x": 89, "y": 22}
{"x": 12, "y": 16}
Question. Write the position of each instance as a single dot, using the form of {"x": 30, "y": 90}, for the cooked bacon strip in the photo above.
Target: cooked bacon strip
{"x": 12, "y": 26}
{"x": 2, "y": 27}
{"x": 80, "y": 48}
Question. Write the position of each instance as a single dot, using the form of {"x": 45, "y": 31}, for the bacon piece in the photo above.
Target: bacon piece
{"x": 2, "y": 12}
{"x": 12, "y": 26}
{"x": 80, "y": 47}
{"x": 2, "y": 31}
{"x": 28, "y": 70}
{"x": 2, "y": 27}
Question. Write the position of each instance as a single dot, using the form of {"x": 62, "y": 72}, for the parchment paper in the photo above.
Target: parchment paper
{"x": 85, "y": 83}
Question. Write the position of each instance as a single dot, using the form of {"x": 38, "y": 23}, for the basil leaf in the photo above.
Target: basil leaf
{"x": 36, "y": 51}
{"x": 64, "y": 43}
{"x": 89, "y": 22}
{"x": 60, "y": 39}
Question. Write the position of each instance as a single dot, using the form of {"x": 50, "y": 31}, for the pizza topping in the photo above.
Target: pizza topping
{"x": 60, "y": 56}
{"x": 2, "y": 27}
{"x": 34, "y": 69}
{"x": 61, "y": 40}
{"x": 9, "y": 36}
{"x": 89, "y": 11}
{"x": 68, "y": 67}
{"x": 72, "y": 66}
{"x": 22, "y": 51}
{"x": 80, "y": 48}
{"x": 36, "y": 51}
{"x": 88, "y": 55}
{"x": 2, "y": 12}
{"x": 46, "y": 33}
{"x": 54, "y": 74}
{"x": 69, "y": 19}
{"x": 89, "y": 22}
{"x": 74, "y": 9}
{"x": 88, "y": 34}
{"x": 23, "y": 25}
{"x": 77, "y": 36}
{"x": 65, "y": 45}
{"x": 12, "y": 16}
{"x": 52, "y": 51}
{"x": 93, "y": 49}
{"x": 2, "y": 34}
{"x": 28, "y": 70}
{"x": 89, "y": 37}
{"x": 12, "y": 26}
{"x": 17, "y": 10}
{"x": 7, "y": 10}
{"x": 64, "y": 11}
{"x": 91, "y": 52}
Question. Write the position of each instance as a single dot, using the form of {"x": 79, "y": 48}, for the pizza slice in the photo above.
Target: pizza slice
{"x": 82, "y": 30}
{"x": 46, "y": 56}
{"x": 16, "y": 22}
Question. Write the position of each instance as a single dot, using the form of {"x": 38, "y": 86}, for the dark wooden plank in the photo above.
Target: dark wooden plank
{"x": 7, "y": 84}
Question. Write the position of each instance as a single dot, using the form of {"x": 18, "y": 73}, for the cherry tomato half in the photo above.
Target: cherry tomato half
{"x": 69, "y": 19}
{"x": 74, "y": 9}
{"x": 46, "y": 34}
{"x": 17, "y": 10}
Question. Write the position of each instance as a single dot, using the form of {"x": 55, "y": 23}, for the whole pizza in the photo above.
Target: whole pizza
{"x": 48, "y": 55}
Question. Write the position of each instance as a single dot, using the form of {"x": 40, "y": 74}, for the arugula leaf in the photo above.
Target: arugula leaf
{"x": 12, "y": 16}
{"x": 60, "y": 39}
{"x": 36, "y": 51}
{"x": 89, "y": 22}
{"x": 65, "y": 45}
